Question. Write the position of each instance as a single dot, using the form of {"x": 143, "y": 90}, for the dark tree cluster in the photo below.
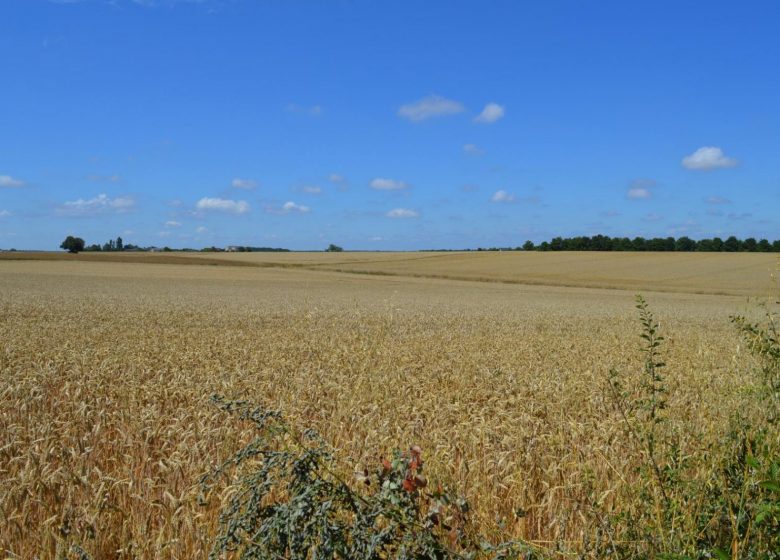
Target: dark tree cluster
{"x": 246, "y": 249}
{"x": 112, "y": 245}
{"x": 681, "y": 244}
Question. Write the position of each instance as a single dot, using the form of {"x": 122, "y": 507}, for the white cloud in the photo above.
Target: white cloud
{"x": 312, "y": 189}
{"x": 223, "y": 205}
{"x": 473, "y": 149}
{"x": 502, "y": 196}
{"x": 381, "y": 184}
{"x": 431, "y": 106}
{"x": 4, "y": 213}
{"x": 490, "y": 114}
{"x": 247, "y": 184}
{"x": 98, "y": 205}
{"x": 652, "y": 217}
{"x": 638, "y": 193}
{"x": 289, "y": 207}
{"x": 337, "y": 178}
{"x": 8, "y": 182}
{"x": 402, "y": 213}
{"x": 292, "y": 207}
{"x": 172, "y": 223}
{"x": 201, "y": 229}
{"x": 706, "y": 158}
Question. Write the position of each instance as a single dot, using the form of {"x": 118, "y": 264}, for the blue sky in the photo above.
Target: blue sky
{"x": 386, "y": 125}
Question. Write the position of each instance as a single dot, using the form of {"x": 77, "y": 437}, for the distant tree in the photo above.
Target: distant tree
{"x": 764, "y": 246}
{"x": 334, "y": 249}
{"x": 750, "y": 244}
{"x": 685, "y": 244}
{"x": 119, "y": 245}
{"x": 639, "y": 244}
{"x": 72, "y": 244}
{"x": 731, "y": 244}
{"x": 528, "y": 245}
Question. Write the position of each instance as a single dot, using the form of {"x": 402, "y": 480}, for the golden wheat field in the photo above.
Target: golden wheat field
{"x": 495, "y": 364}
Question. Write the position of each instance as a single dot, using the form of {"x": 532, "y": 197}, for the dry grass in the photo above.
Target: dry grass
{"x": 105, "y": 372}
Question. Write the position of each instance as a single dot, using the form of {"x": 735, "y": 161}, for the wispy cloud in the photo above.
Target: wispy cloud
{"x": 289, "y": 207}
{"x": 428, "y": 107}
{"x": 708, "y": 158}
{"x": 638, "y": 193}
{"x": 101, "y": 204}
{"x": 716, "y": 200}
{"x": 640, "y": 189}
{"x": 223, "y": 205}
{"x": 246, "y": 184}
{"x": 105, "y": 178}
{"x": 502, "y": 196}
{"x": 311, "y": 189}
{"x": 4, "y": 213}
{"x": 172, "y": 223}
{"x": 402, "y": 213}
{"x": 382, "y": 184}
{"x": 473, "y": 150}
{"x": 337, "y": 178}
{"x": 8, "y": 182}
{"x": 490, "y": 114}
{"x": 313, "y": 110}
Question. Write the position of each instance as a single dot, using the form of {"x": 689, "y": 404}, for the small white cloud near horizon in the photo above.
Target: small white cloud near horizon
{"x": 105, "y": 178}
{"x": 473, "y": 150}
{"x": 8, "y": 182}
{"x": 382, "y": 184}
{"x": 490, "y": 114}
{"x": 223, "y": 205}
{"x": 314, "y": 110}
{"x": 502, "y": 196}
{"x": 172, "y": 223}
{"x": 98, "y": 205}
{"x": 428, "y": 107}
{"x": 402, "y": 213}
{"x": 201, "y": 229}
{"x": 716, "y": 200}
{"x": 707, "y": 158}
{"x": 288, "y": 207}
{"x": 4, "y": 213}
{"x": 312, "y": 189}
{"x": 638, "y": 193}
{"x": 246, "y": 184}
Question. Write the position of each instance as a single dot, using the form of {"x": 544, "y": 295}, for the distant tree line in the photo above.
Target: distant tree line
{"x": 243, "y": 249}
{"x": 113, "y": 245}
{"x": 681, "y": 244}
{"x": 74, "y": 244}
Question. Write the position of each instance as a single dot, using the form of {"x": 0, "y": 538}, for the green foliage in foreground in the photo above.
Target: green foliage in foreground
{"x": 289, "y": 503}
{"x": 734, "y": 512}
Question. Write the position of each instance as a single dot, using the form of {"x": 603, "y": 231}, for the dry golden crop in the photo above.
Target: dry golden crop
{"x": 106, "y": 369}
